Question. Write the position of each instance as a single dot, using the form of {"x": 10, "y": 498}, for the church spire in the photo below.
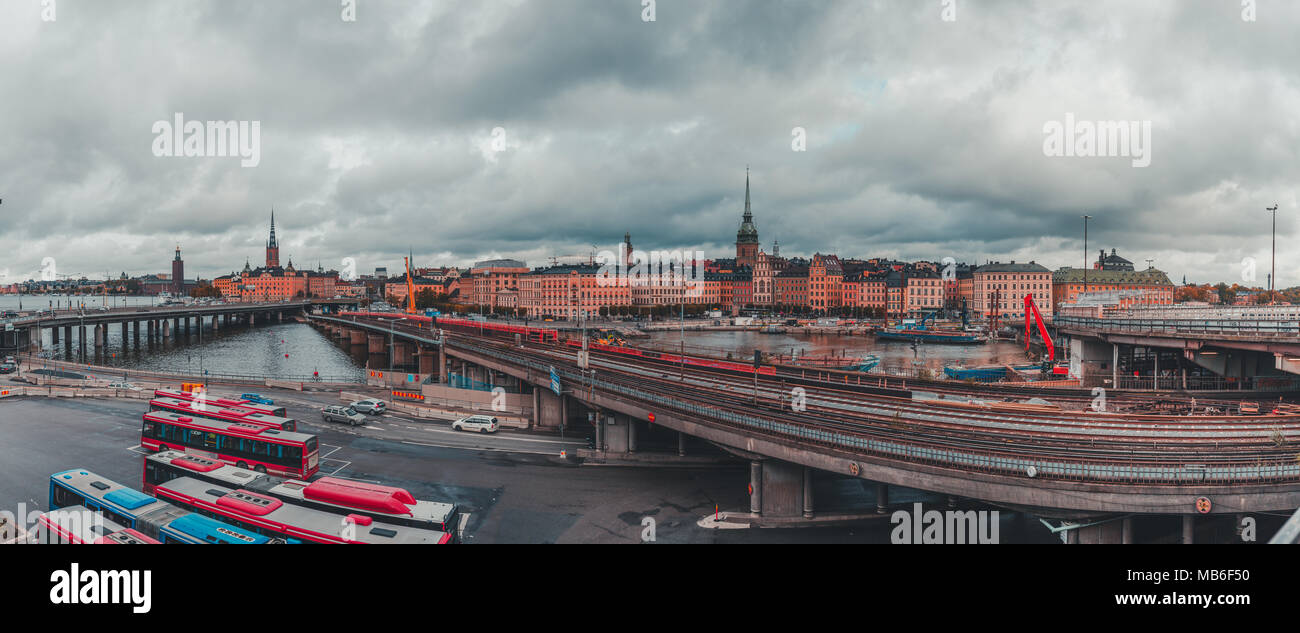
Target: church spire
{"x": 749, "y": 216}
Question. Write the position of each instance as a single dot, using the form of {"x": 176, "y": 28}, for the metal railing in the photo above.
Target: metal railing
{"x": 1270, "y": 329}
{"x": 1128, "y": 472}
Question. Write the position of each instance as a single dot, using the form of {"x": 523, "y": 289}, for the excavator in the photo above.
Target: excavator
{"x": 1031, "y": 311}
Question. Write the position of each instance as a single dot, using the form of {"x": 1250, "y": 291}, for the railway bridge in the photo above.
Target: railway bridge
{"x": 1244, "y": 347}
{"x": 157, "y": 323}
{"x": 1100, "y": 471}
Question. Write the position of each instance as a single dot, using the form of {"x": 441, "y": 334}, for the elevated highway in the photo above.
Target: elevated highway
{"x": 1078, "y": 465}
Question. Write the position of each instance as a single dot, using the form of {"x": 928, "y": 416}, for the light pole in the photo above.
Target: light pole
{"x": 1272, "y": 276}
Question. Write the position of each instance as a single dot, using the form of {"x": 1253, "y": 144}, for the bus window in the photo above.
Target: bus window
{"x": 210, "y": 440}
{"x": 64, "y": 498}
{"x": 293, "y": 455}
{"x": 148, "y": 429}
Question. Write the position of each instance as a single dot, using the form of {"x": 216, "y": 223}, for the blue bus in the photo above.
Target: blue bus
{"x": 151, "y": 517}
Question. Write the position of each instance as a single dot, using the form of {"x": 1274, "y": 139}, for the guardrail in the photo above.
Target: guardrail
{"x": 1081, "y": 470}
{"x": 1195, "y": 327}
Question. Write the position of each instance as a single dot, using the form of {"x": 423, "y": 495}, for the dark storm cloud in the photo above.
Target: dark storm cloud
{"x": 925, "y": 137}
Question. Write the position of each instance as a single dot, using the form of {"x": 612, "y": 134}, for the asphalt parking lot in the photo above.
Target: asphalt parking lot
{"x": 510, "y": 496}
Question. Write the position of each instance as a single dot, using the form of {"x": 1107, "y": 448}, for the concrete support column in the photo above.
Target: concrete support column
{"x": 1127, "y": 538}
{"x": 54, "y": 334}
{"x": 101, "y": 333}
{"x": 631, "y": 435}
{"x": 564, "y": 412}
{"x": 166, "y": 329}
{"x": 756, "y": 487}
{"x": 882, "y": 498}
{"x": 135, "y": 332}
{"x": 1189, "y": 528}
{"x": 537, "y": 409}
{"x": 426, "y": 360}
{"x": 442, "y": 365}
{"x": 807, "y": 493}
{"x": 81, "y": 338}
{"x": 1114, "y": 367}
{"x": 681, "y": 444}
{"x": 600, "y": 430}
{"x": 124, "y": 333}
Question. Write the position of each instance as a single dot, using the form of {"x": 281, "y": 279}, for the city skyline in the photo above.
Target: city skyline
{"x": 924, "y": 140}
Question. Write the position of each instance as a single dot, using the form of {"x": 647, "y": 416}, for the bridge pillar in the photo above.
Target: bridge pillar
{"x": 426, "y": 360}
{"x": 54, "y": 335}
{"x": 681, "y": 444}
{"x": 783, "y": 490}
{"x": 81, "y": 339}
{"x": 1108, "y": 533}
{"x": 756, "y": 487}
{"x": 1189, "y": 528}
{"x": 631, "y": 435}
{"x": 807, "y": 493}
{"x": 166, "y": 329}
{"x": 124, "y": 333}
{"x": 376, "y": 344}
{"x": 357, "y": 337}
{"x": 100, "y": 332}
{"x": 442, "y": 365}
{"x": 1126, "y": 528}
{"x": 148, "y": 330}
{"x": 882, "y": 498}
{"x": 1114, "y": 366}
{"x": 215, "y": 323}
{"x": 537, "y": 411}
{"x": 548, "y": 412}
{"x": 135, "y": 332}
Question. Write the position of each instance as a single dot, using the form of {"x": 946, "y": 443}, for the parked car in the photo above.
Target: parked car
{"x": 256, "y": 397}
{"x": 478, "y": 423}
{"x": 346, "y": 415}
{"x": 124, "y": 385}
{"x": 8, "y": 368}
{"x": 370, "y": 406}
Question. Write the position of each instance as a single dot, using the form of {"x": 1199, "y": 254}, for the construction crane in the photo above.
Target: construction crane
{"x": 1031, "y": 312}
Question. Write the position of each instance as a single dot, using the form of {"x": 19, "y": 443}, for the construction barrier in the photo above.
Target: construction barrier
{"x": 409, "y": 395}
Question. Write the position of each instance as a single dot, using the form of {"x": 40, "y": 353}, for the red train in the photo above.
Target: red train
{"x": 530, "y": 334}
{"x": 765, "y": 370}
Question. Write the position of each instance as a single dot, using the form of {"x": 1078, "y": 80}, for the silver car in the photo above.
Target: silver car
{"x": 479, "y": 423}
{"x": 346, "y": 415}
{"x": 370, "y": 406}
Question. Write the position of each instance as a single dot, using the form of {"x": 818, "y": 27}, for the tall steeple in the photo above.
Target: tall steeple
{"x": 272, "y": 246}
{"x": 747, "y": 236}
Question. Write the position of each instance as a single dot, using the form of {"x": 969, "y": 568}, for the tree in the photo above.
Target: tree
{"x": 1227, "y": 296}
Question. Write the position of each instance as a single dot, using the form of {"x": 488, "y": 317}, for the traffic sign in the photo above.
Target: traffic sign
{"x": 555, "y": 381}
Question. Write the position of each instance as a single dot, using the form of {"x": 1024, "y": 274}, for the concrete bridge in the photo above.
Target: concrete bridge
{"x": 1100, "y": 470}
{"x": 159, "y": 323}
{"x": 1255, "y": 347}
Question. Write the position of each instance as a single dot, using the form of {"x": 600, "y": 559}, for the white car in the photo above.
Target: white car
{"x": 124, "y": 385}
{"x": 479, "y": 423}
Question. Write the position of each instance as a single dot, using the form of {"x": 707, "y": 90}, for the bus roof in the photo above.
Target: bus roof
{"x": 202, "y": 528}
{"x": 224, "y": 412}
{"x": 292, "y": 520}
{"x": 240, "y": 429}
{"x": 343, "y": 494}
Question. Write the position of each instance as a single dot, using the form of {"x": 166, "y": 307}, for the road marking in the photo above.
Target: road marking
{"x": 141, "y": 450}
{"x": 460, "y": 529}
{"x": 369, "y": 481}
{"x": 336, "y": 470}
{"x": 336, "y": 448}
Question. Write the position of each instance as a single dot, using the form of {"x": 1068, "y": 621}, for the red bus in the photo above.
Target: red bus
{"x": 385, "y": 504}
{"x": 267, "y": 515}
{"x": 207, "y": 409}
{"x": 223, "y": 403}
{"x": 241, "y": 444}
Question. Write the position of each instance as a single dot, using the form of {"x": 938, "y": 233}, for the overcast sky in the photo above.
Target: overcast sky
{"x": 924, "y": 137}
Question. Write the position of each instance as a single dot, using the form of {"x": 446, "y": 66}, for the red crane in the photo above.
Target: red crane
{"x": 1030, "y": 307}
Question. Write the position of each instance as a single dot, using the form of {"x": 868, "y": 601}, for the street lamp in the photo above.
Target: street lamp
{"x": 1272, "y": 276}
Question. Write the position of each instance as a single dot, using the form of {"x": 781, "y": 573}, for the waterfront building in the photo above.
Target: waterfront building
{"x": 1004, "y": 287}
{"x": 570, "y": 291}
{"x": 1149, "y": 287}
{"x": 495, "y": 283}
{"x": 922, "y": 291}
{"x": 825, "y": 276}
